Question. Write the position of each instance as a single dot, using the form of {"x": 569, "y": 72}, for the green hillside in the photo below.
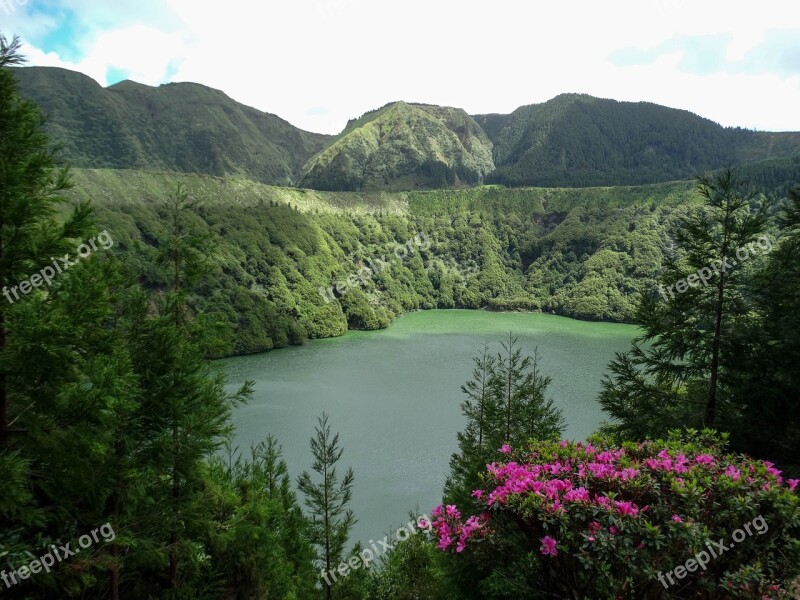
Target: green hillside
{"x": 182, "y": 127}
{"x": 280, "y": 252}
{"x": 403, "y": 146}
{"x": 578, "y": 140}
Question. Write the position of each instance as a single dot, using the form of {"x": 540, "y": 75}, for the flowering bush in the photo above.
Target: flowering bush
{"x": 672, "y": 518}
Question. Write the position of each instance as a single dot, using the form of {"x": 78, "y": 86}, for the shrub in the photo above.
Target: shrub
{"x": 574, "y": 520}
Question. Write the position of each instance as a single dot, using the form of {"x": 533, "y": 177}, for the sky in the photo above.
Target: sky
{"x": 318, "y": 63}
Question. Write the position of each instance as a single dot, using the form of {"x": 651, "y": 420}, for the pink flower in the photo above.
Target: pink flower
{"x": 626, "y": 508}
{"x": 437, "y": 512}
{"x": 772, "y": 470}
{"x": 452, "y": 512}
{"x": 505, "y": 449}
{"x": 605, "y": 457}
{"x": 445, "y": 542}
{"x": 704, "y": 459}
{"x": 677, "y": 518}
{"x": 628, "y": 473}
{"x": 613, "y": 530}
{"x": 423, "y": 524}
{"x": 549, "y": 546}
{"x": 602, "y": 501}
{"x": 580, "y": 494}
{"x": 477, "y": 494}
{"x": 595, "y": 527}
{"x": 793, "y": 484}
{"x": 733, "y": 473}
{"x": 471, "y": 525}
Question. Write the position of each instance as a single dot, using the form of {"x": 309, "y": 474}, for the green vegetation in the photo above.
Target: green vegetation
{"x": 674, "y": 518}
{"x": 279, "y": 253}
{"x": 403, "y": 146}
{"x": 720, "y": 332}
{"x": 327, "y": 502}
{"x": 182, "y": 127}
{"x": 578, "y": 140}
{"x": 572, "y": 140}
{"x": 580, "y": 253}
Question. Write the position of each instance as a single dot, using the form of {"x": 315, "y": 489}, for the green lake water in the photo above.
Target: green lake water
{"x": 394, "y": 395}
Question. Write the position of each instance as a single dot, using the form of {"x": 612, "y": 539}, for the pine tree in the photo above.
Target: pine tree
{"x": 259, "y": 537}
{"x": 61, "y": 380}
{"x": 327, "y": 501}
{"x": 674, "y": 371}
{"x": 519, "y": 392}
{"x": 480, "y": 409}
{"x": 767, "y": 392}
{"x": 31, "y": 191}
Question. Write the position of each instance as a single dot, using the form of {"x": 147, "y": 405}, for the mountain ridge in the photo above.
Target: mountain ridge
{"x": 184, "y": 127}
{"x": 572, "y": 140}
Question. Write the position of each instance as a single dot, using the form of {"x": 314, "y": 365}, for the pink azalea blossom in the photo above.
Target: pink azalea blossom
{"x": 677, "y": 518}
{"x": 580, "y": 494}
{"x": 477, "y": 494}
{"x": 733, "y": 473}
{"x": 626, "y": 508}
{"x": 505, "y": 449}
{"x": 793, "y": 484}
{"x": 549, "y": 546}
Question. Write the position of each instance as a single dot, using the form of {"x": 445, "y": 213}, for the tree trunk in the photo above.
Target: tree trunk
{"x": 328, "y": 586}
{"x": 711, "y": 402}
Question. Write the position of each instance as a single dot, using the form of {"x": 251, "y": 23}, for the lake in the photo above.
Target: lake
{"x": 394, "y": 397}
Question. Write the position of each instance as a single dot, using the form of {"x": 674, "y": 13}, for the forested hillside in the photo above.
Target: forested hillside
{"x": 579, "y": 140}
{"x": 403, "y": 146}
{"x": 280, "y": 253}
{"x": 182, "y": 127}
{"x": 291, "y": 264}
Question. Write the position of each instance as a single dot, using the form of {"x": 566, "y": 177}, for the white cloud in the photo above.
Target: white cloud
{"x": 350, "y": 56}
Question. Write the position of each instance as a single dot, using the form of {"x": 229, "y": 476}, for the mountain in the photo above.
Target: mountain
{"x": 403, "y": 146}
{"x": 572, "y": 140}
{"x": 576, "y": 140}
{"x": 182, "y": 127}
